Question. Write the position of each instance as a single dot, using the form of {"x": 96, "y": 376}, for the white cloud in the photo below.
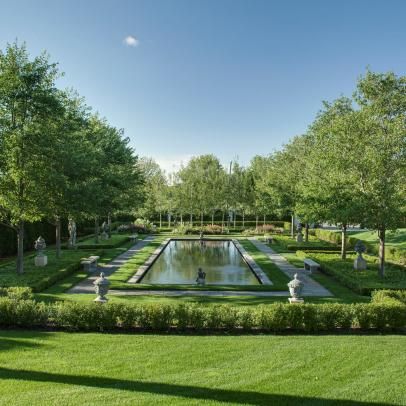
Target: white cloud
{"x": 173, "y": 163}
{"x": 131, "y": 41}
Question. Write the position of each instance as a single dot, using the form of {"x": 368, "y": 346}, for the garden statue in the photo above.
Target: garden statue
{"x": 359, "y": 263}
{"x": 105, "y": 231}
{"x": 295, "y": 289}
{"x": 72, "y": 233}
{"x": 201, "y": 235}
{"x": 101, "y": 286}
{"x": 201, "y": 277}
{"x": 41, "y": 259}
{"x": 299, "y": 236}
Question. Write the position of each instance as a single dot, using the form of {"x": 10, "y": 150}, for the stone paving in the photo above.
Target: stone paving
{"x": 86, "y": 286}
{"x": 311, "y": 287}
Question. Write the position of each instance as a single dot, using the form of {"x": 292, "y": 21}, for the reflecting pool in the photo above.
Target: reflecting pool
{"x": 220, "y": 260}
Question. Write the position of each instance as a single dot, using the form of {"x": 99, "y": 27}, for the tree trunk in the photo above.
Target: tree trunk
{"x": 169, "y": 220}
{"x": 181, "y": 219}
{"x": 20, "y": 247}
{"x": 96, "y": 230}
{"x": 222, "y": 222}
{"x": 212, "y": 219}
{"x": 201, "y": 220}
{"x": 307, "y": 232}
{"x": 264, "y": 219}
{"x": 256, "y": 221}
{"x": 109, "y": 224}
{"x": 191, "y": 220}
{"x": 235, "y": 219}
{"x": 381, "y": 235}
{"x": 292, "y": 228}
{"x": 160, "y": 220}
{"x": 243, "y": 219}
{"x": 343, "y": 241}
{"x": 58, "y": 236}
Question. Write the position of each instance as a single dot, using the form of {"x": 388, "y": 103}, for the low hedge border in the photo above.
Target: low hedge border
{"x": 341, "y": 276}
{"x": 386, "y": 314}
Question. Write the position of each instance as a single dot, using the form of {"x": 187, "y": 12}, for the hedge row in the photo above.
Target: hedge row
{"x": 239, "y": 224}
{"x": 382, "y": 316}
{"x": 391, "y": 253}
{"x": 350, "y": 278}
{"x": 300, "y": 247}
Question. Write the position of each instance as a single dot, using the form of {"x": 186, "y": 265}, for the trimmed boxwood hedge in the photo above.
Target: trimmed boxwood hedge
{"x": 383, "y": 314}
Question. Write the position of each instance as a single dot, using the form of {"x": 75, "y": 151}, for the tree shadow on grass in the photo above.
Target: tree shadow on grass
{"x": 184, "y": 391}
{"x": 7, "y": 344}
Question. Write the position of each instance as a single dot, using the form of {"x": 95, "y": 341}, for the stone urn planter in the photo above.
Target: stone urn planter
{"x": 41, "y": 259}
{"x": 359, "y": 263}
{"x": 101, "y": 286}
{"x": 295, "y": 289}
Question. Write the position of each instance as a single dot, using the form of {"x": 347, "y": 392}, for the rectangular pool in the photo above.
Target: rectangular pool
{"x": 178, "y": 263}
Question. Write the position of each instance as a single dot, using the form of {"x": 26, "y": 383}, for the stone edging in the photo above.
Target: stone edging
{"x": 153, "y": 257}
{"x": 260, "y": 274}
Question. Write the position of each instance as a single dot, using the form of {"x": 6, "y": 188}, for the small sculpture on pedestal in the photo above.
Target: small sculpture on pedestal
{"x": 105, "y": 231}
{"x": 101, "y": 286}
{"x": 359, "y": 263}
{"x": 72, "y": 233}
{"x": 41, "y": 259}
{"x": 201, "y": 277}
{"x": 295, "y": 289}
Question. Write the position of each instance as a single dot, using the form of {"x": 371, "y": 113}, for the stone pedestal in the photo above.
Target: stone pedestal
{"x": 299, "y": 237}
{"x": 104, "y": 236}
{"x": 360, "y": 264}
{"x": 296, "y": 300}
{"x": 41, "y": 260}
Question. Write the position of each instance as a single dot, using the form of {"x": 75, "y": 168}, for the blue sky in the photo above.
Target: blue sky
{"x": 234, "y": 78}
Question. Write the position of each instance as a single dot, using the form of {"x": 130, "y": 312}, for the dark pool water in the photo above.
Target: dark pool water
{"x": 180, "y": 260}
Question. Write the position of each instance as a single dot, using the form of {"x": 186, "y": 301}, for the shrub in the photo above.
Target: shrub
{"x": 25, "y": 313}
{"x": 385, "y": 295}
{"x": 17, "y": 293}
{"x": 383, "y": 314}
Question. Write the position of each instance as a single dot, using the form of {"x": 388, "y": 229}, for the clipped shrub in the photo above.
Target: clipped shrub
{"x": 17, "y": 293}
{"x": 381, "y": 315}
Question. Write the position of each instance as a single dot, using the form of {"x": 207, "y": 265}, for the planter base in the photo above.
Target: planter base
{"x": 296, "y": 300}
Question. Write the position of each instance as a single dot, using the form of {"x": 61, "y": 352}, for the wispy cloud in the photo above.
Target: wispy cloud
{"x": 173, "y": 163}
{"x": 131, "y": 41}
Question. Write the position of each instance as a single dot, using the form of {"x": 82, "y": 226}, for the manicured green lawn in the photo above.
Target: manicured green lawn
{"x": 393, "y": 238}
{"x": 395, "y": 275}
{"x": 116, "y": 239}
{"x": 33, "y": 276}
{"x": 54, "y": 368}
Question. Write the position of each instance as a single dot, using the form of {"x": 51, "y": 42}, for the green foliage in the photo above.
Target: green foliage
{"x": 384, "y": 315}
{"x": 16, "y": 293}
{"x": 362, "y": 282}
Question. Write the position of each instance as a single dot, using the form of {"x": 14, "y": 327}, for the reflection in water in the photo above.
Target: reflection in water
{"x": 180, "y": 260}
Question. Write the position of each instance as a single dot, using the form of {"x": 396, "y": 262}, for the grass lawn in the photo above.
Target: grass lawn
{"x": 393, "y": 238}
{"x": 395, "y": 275}
{"x": 116, "y": 239}
{"x": 56, "y": 368}
{"x": 34, "y": 276}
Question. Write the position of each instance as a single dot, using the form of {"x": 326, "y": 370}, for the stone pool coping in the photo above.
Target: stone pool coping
{"x": 258, "y": 272}
{"x": 148, "y": 263}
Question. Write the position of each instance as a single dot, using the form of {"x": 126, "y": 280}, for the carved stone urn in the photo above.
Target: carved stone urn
{"x": 101, "y": 286}
{"x": 295, "y": 289}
